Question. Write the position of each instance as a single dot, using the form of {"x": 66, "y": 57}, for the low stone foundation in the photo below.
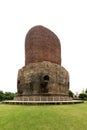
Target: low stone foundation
{"x": 42, "y": 98}
{"x": 42, "y": 102}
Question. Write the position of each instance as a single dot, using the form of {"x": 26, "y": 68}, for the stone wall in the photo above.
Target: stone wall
{"x": 43, "y": 78}
{"x": 43, "y": 98}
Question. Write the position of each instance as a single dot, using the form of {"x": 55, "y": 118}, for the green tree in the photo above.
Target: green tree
{"x": 86, "y": 91}
{"x": 82, "y": 95}
{"x": 1, "y": 95}
{"x": 71, "y": 94}
{"x": 6, "y": 95}
{"x": 9, "y": 96}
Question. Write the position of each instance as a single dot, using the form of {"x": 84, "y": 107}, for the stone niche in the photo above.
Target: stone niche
{"x": 42, "y": 77}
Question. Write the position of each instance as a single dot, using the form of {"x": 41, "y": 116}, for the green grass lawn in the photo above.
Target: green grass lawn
{"x": 43, "y": 117}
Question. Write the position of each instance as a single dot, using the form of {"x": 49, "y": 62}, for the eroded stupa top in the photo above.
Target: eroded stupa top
{"x": 41, "y": 44}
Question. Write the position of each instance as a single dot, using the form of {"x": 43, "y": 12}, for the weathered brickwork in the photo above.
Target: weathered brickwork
{"x": 42, "y": 45}
{"x": 43, "y": 78}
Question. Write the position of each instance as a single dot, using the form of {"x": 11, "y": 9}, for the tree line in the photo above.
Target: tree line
{"x": 83, "y": 95}
{"x": 6, "y": 95}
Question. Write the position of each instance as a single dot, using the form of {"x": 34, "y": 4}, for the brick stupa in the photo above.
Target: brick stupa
{"x": 42, "y": 78}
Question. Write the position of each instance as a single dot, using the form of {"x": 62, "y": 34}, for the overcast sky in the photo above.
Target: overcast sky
{"x": 66, "y": 18}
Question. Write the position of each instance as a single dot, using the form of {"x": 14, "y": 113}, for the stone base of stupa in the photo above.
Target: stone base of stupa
{"x": 43, "y": 98}
{"x": 36, "y": 100}
{"x": 43, "y": 78}
{"x": 42, "y": 102}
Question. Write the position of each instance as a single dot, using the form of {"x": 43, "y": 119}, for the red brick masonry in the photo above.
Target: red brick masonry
{"x": 41, "y": 44}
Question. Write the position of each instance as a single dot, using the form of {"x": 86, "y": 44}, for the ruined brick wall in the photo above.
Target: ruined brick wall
{"x": 41, "y": 44}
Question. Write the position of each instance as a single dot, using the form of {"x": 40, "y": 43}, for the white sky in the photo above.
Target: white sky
{"x": 66, "y": 18}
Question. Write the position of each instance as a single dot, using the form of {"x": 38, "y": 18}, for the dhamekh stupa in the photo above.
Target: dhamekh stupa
{"x": 42, "y": 78}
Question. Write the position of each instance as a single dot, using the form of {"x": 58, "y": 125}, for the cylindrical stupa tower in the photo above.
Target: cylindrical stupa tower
{"x": 41, "y": 44}
{"x": 42, "y": 77}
